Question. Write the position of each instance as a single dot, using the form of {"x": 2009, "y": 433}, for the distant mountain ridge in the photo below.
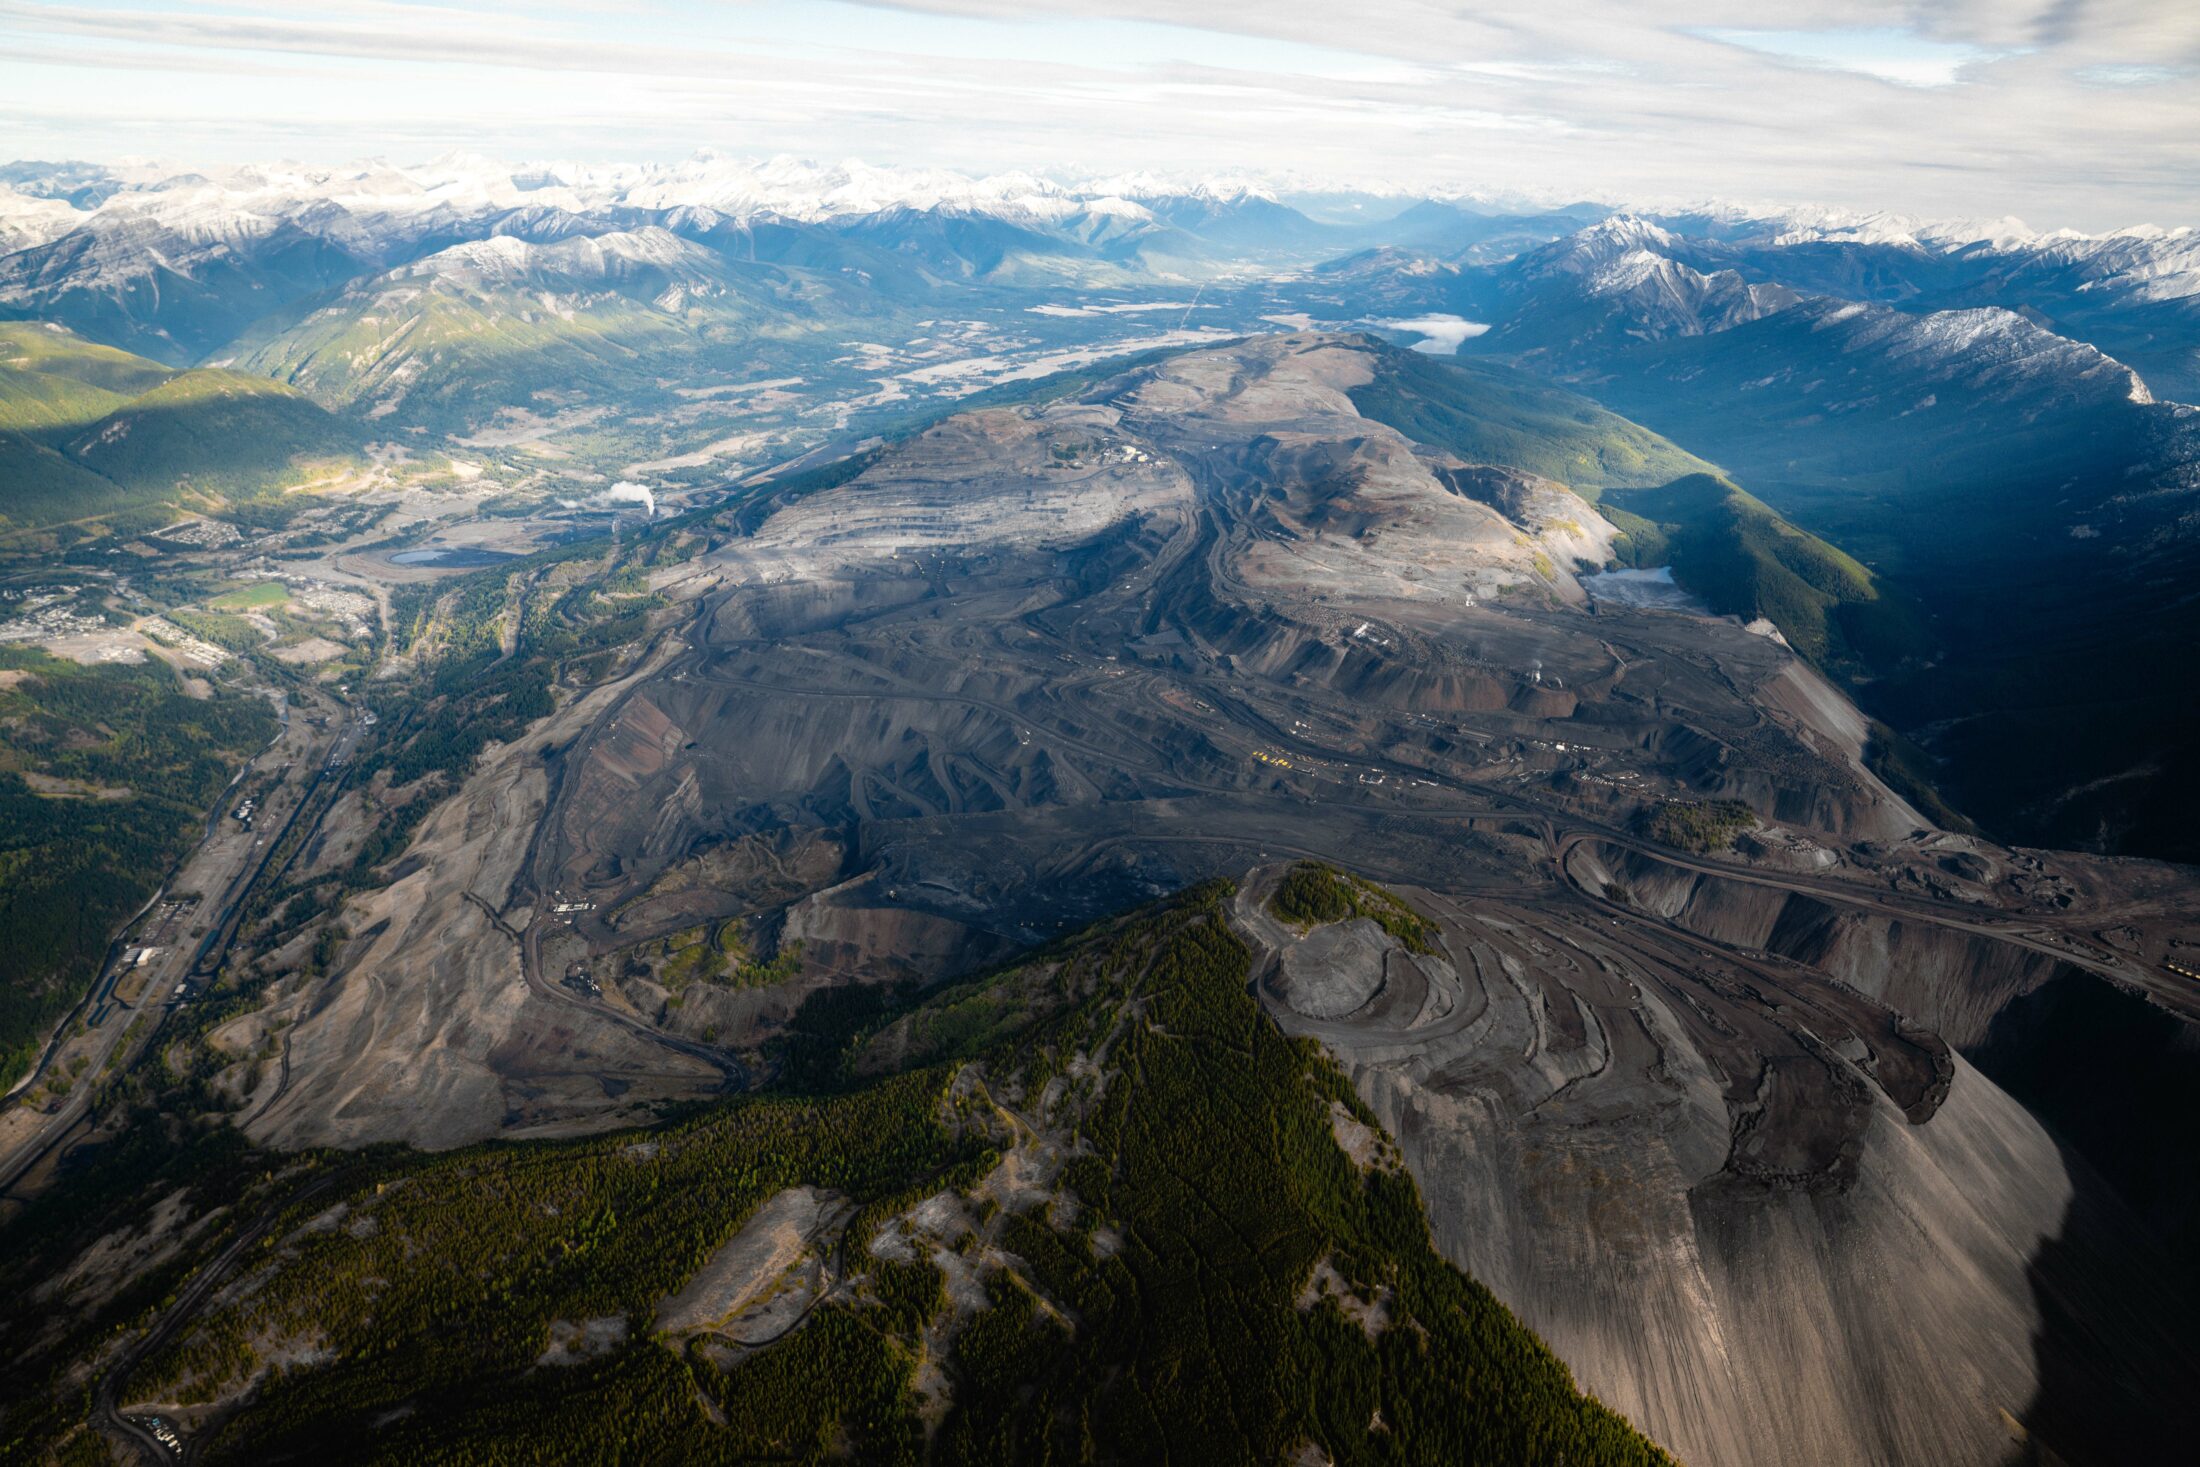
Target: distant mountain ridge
{"x": 177, "y": 267}
{"x": 453, "y": 338}
{"x": 178, "y": 264}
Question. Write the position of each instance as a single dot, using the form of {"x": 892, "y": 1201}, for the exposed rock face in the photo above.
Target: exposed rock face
{"x": 1334, "y": 970}
{"x": 763, "y": 1278}
{"x": 1761, "y": 1214}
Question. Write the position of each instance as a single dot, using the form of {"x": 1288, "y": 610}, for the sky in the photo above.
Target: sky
{"x": 2080, "y": 113}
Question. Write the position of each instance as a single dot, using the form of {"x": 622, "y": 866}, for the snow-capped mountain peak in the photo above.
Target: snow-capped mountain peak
{"x": 27, "y": 219}
{"x": 509, "y": 260}
{"x": 1590, "y": 252}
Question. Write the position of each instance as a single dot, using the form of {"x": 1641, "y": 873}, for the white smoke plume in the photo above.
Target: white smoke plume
{"x": 626, "y": 491}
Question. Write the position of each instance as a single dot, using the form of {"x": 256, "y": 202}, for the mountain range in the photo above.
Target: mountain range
{"x": 1964, "y": 408}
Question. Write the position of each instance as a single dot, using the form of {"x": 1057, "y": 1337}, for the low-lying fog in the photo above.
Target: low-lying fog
{"x": 1440, "y": 335}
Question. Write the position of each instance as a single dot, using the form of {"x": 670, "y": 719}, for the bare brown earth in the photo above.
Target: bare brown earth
{"x": 1778, "y": 1145}
{"x": 430, "y": 1032}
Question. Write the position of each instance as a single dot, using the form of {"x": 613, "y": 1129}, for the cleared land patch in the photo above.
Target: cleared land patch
{"x": 252, "y": 598}
{"x": 757, "y": 1265}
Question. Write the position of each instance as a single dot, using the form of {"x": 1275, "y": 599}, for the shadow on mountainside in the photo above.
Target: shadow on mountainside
{"x": 2118, "y": 1081}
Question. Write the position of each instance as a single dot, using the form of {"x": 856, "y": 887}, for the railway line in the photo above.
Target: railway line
{"x": 122, "y": 1039}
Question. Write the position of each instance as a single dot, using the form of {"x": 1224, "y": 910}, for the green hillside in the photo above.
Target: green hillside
{"x": 453, "y": 360}
{"x": 1492, "y": 415}
{"x": 1178, "y": 1264}
{"x": 86, "y": 431}
{"x": 1744, "y": 560}
{"x": 55, "y": 380}
{"x": 39, "y": 486}
{"x": 1725, "y": 546}
{"x": 217, "y": 433}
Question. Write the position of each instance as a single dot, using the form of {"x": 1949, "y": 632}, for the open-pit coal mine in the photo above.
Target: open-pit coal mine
{"x": 1734, "y": 1076}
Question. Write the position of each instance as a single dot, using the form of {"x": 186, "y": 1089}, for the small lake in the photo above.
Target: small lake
{"x": 454, "y": 557}
{"x": 1646, "y": 590}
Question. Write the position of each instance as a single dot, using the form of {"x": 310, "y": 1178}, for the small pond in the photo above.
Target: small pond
{"x": 1649, "y": 590}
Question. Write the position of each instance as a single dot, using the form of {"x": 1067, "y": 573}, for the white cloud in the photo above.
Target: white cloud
{"x": 2134, "y": 76}
{"x": 1896, "y": 56}
{"x": 2065, "y": 112}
